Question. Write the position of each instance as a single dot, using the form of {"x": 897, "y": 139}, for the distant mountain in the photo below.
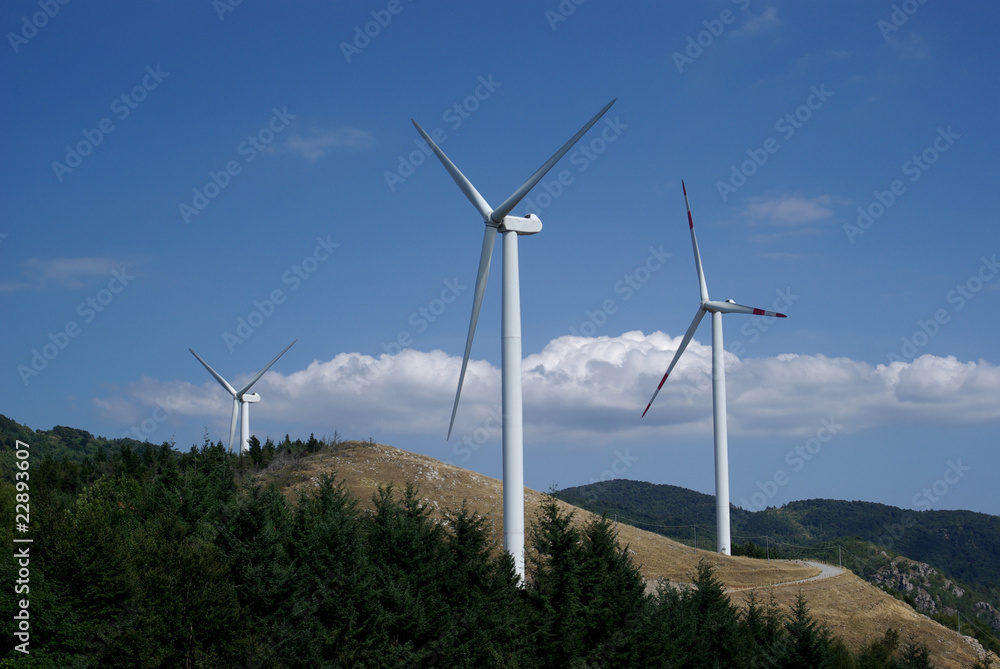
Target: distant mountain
{"x": 961, "y": 548}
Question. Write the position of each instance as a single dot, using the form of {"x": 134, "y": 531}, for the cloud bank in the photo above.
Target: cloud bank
{"x": 591, "y": 391}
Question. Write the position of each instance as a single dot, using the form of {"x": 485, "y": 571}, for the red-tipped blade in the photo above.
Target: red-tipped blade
{"x": 680, "y": 349}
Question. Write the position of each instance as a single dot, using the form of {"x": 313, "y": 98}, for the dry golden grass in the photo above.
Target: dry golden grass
{"x": 853, "y": 609}
{"x": 859, "y": 613}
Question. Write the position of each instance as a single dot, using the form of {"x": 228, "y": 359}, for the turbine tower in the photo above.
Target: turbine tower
{"x": 723, "y": 544}
{"x": 241, "y": 400}
{"x": 499, "y": 220}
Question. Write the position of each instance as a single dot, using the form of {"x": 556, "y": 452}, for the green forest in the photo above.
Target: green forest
{"x": 144, "y": 556}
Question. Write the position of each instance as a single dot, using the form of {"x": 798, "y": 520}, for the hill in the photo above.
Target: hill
{"x": 944, "y": 563}
{"x": 965, "y": 542}
{"x": 855, "y": 610}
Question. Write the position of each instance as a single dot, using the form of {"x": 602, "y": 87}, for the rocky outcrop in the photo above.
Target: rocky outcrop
{"x": 923, "y": 587}
{"x": 988, "y": 612}
{"x": 910, "y": 578}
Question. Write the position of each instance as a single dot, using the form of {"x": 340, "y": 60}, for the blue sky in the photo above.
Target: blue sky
{"x": 232, "y": 177}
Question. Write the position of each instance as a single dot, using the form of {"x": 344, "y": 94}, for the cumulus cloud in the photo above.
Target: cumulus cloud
{"x": 592, "y": 390}
{"x": 317, "y": 143}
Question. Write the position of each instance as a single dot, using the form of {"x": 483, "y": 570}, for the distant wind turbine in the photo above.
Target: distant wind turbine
{"x": 718, "y": 385}
{"x": 241, "y": 400}
{"x": 511, "y": 226}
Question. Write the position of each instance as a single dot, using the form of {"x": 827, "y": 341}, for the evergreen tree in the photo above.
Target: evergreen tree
{"x": 809, "y": 643}
{"x": 555, "y": 587}
{"x": 915, "y": 656}
{"x": 256, "y": 455}
{"x": 879, "y": 654}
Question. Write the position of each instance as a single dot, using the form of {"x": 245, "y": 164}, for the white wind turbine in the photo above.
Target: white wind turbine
{"x": 511, "y": 226}
{"x": 718, "y": 385}
{"x": 241, "y": 400}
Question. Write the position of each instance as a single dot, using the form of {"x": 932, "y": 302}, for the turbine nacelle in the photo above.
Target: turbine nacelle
{"x": 528, "y": 225}
{"x": 251, "y": 397}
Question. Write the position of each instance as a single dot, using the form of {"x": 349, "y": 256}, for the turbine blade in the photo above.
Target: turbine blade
{"x": 511, "y": 202}
{"x": 733, "y": 308}
{"x": 218, "y": 377}
{"x": 470, "y": 191}
{"x": 477, "y": 302}
{"x": 694, "y": 243}
{"x": 677, "y": 355}
{"x": 261, "y": 372}
{"x": 232, "y": 424}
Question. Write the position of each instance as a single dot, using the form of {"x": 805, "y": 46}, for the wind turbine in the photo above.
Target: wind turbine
{"x": 718, "y": 385}
{"x": 499, "y": 220}
{"x": 241, "y": 400}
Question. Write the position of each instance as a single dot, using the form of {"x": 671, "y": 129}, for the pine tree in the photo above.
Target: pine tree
{"x": 809, "y": 643}
{"x": 555, "y": 587}
{"x": 256, "y": 455}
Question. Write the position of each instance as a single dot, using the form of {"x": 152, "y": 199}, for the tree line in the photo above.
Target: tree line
{"x": 147, "y": 557}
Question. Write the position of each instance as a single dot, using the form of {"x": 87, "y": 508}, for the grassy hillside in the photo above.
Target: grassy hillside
{"x": 959, "y": 550}
{"x": 855, "y": 610}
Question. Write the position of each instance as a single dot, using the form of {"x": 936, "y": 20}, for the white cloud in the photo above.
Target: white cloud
{"x": 789, "y": 209}
{"x": 593, "y": 390}
{"x": 61, "y": 272}
{"x": 317, "y": 143}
